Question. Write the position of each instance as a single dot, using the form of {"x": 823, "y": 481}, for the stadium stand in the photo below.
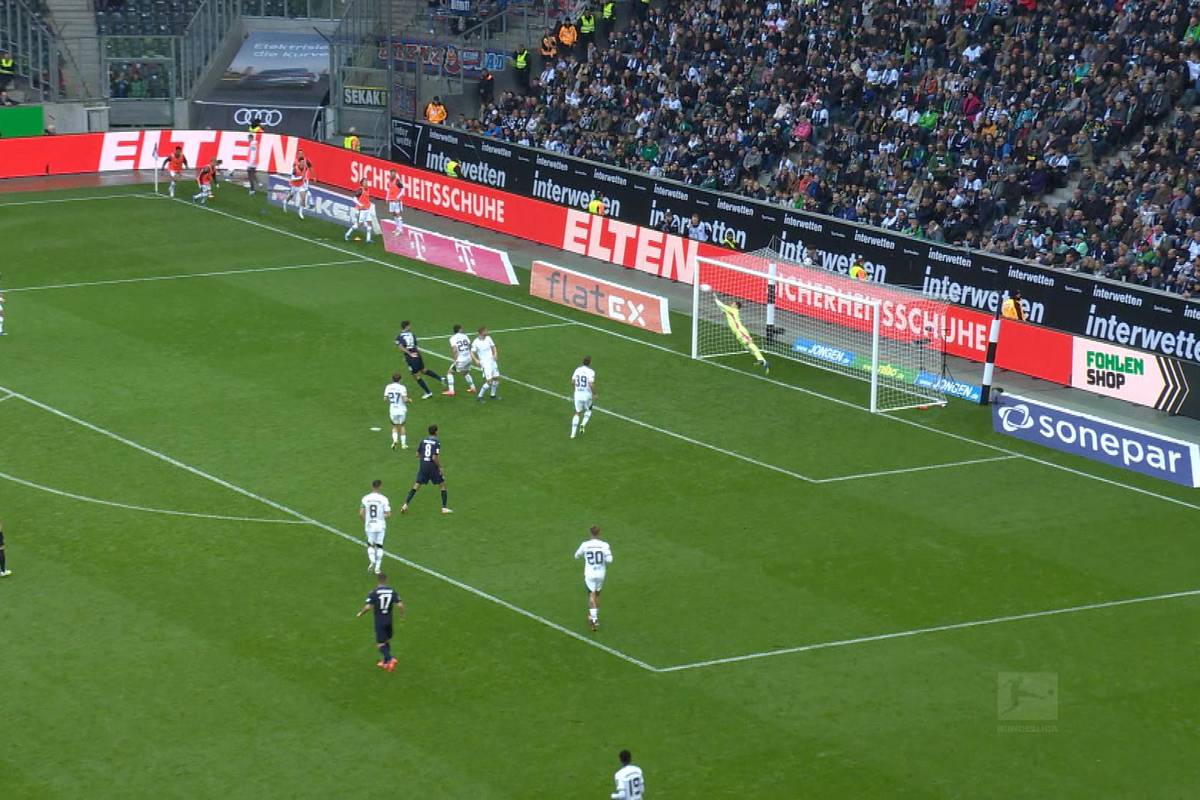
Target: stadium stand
{"x": 951, "y": 120}
{"x": 144, "y": 17}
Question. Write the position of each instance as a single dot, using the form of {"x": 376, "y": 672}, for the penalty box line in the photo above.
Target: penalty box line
{"x": 956, "y": 626}
{"x": 332, "y": 530}
{"x": 718, "y": 365}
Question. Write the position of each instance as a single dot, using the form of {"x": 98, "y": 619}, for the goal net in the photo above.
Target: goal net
{"x": 889, "y": 337}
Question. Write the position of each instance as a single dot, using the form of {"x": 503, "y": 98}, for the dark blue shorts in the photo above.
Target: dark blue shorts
{"x": 429, "y": 473}
{"x": 383, "y": 632}
{"x": 415, "y": 365}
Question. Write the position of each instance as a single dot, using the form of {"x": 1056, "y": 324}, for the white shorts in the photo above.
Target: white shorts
{"x": 583, "y": 402}
{"x": 294, "y": 189}
{"x": 594, "y": 583}
{"x": 490, "y": 370}
{"x": 174, "y": 176}
{"x": 376, "y": 537}
{"x": 398, "y": 417}
{"x": 462, "y": 367}
{"x": 206, "y": 190}
{"x": 395, "y": 207}
{"x": 360, "y": 217}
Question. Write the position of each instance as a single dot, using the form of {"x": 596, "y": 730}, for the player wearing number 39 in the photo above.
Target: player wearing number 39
{"x": 383, "y": 600}
{"x": 733, "y": 318}
{"x": 375, "y": 512}
{"x": 583, "y": 380}
{"x": 596, "y": 555}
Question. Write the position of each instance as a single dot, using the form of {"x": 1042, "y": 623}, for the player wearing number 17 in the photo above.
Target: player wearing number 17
{"x": 596, "y": 555}
{"x": 375, "y": 511}
{"x": 583, "y": 380}
{"x": 384, "y": 601}
{"x": 733, "y": 318}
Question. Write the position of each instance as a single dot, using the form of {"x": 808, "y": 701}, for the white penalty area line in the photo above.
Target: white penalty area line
{"x": 907, "y": 470}
{"x": 932, "y": 629}
{"x": 183, "y": 275}
{"x": 334, "y": 531}
{"x": 140, "y": 195}
{"x": 146, "y": 509}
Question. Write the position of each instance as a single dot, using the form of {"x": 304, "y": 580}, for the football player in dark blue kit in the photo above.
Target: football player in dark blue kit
{"x": 384, "y": 601}
{"x": 430, "y": 469}
{"x": 407, "y": 342}
{"x": 4, "y": 570}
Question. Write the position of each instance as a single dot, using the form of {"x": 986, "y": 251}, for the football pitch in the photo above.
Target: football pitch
{"x": 806, "y": 600}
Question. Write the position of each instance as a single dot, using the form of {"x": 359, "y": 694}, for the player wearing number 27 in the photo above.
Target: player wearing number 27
{"x": 384, "y": 601}
{"x": 397, "y": 397}
{"x": 583, "y": 380}
{"x": 596, "y": 555}
{"x": 375, "y": 512}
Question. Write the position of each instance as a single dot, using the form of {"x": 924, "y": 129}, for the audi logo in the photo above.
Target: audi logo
{"x": 269, "y": 117}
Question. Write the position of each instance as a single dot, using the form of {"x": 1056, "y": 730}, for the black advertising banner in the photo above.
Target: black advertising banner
{"x": 1119, "y": 313}
{"x": 291, "y": 120}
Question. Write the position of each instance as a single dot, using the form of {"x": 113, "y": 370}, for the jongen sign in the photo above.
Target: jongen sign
{"x": 1117, "y": 313}
{"x": 1098, "y": 439}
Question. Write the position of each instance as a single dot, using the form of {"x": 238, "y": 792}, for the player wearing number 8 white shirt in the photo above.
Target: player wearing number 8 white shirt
{"x": 460, "y": 351}
{"x": 485, "y": 355}
{"x": 631, "y": 783}
{"x": 583, "y": 380}
{"x": 596, "y": 555}
{"x": 397, "y": 397}
{"x": 375, "y": 512}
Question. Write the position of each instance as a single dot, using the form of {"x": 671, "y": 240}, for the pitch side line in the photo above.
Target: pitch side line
{"x": 717, "y": 364}
{"x": 330, "y": 529}
{"x": 181, "y": 276}
{"x": 74, "y": 199}
{"x": 906, "y": 470}
{"x": 131, "y": 507}
{"x": 932, "y": 629}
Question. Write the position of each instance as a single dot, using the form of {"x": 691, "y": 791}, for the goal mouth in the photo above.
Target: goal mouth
{"x": 761, "y": 303}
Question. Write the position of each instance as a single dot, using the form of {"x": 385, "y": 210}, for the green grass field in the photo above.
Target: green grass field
{"x": 215, "y": 653}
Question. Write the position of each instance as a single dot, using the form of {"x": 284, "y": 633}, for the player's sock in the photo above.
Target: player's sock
{"x": 171, "y": 189}
{"x": 386, "y": 651}
{"x": 399, "y": 225}
{"x": 587, "y": 415}
{"x": 411, "y": 494}
{"x": 404, "y": 440}
{"x": 450, "y": 381}
{"x": 370, "y": 555}
{"x": 482, "y": 393}
{"x": 3, "y": 562}
{"x": 470, "y": 382}
{"x": 348, "y": 232}
{"x": 444, "y": 501}
{"x": 435, "y": 376}
{"x": 378, "y": 559}
{"x": 574, "y": 425}
{"x": 424, "y": 386}
{"x": 368, "y": 234}
{"x": 594, "y": 614}
{"x": 495, "y": 386}
{"x": 395, "y": 437}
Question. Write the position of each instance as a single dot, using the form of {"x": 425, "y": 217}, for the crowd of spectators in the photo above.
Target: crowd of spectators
{"x": 950, "y": 120}
{"x": 139, "y": 80}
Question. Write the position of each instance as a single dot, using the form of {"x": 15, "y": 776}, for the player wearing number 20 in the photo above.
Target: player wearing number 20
{"x": 384, "y": 601}
{"x": 375, "y": 512}
{"x": 583, "y": 380}
{"x": 596, "y": 555}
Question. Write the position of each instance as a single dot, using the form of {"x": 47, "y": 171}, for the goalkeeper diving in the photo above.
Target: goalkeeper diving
{"x": 733, "y": 318}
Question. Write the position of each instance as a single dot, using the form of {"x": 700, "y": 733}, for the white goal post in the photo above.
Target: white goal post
{"x": 889, "y": 337}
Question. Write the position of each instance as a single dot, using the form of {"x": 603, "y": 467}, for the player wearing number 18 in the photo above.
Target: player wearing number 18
{"x": 429, "y": 451}
{"x": 384, "y": 601}
{"x": 596, "y": 555}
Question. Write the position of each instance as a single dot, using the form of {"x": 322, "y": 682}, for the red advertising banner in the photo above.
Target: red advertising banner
{"x": 599, "y": 297}
{"x": 458, "y": 255}
{"x": 1034, "y": 351}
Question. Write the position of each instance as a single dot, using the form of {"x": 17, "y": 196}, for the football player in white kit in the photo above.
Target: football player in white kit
{"x": 395, "y": 200}
{"x": 583, "y": 381}
{"x": 460, "y": 353}
{"x": 596, "y": 555}
{"x": 397, "y": 397}
{"x": 486, "y": 357}
{"x": 375, "y": 512}
{"x": 631, "y": 784}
